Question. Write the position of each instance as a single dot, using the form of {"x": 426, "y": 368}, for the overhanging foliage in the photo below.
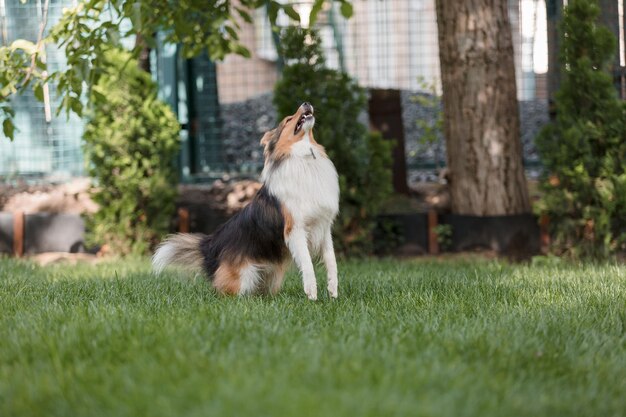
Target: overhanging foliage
{"x": 87, "y": 31}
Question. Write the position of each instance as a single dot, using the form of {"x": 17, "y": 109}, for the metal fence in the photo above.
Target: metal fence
{"x": 41, "y": 148}
{"x": 386, "y": 44}
{"x": 225, "y": 107}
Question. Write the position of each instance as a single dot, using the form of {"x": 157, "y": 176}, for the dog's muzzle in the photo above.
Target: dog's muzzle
{"x": 307, "y": 114}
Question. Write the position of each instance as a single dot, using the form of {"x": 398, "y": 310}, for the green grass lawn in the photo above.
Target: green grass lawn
{"x": 429, "y": 338}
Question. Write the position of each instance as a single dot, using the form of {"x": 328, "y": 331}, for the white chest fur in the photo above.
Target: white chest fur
{"x": 306, "y": 183}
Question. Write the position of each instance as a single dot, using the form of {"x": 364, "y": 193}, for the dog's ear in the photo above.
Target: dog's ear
{"x": 267, "y": 137}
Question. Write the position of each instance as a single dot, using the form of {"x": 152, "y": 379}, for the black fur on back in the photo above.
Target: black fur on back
{"x": 255, "y": 233}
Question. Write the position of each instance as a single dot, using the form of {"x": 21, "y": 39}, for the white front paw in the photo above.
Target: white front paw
{"x": 332, "y": 289}
{"x": 310, "y": 289}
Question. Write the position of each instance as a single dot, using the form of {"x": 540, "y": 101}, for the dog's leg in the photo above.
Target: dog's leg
{"x": 279, "y": 276}
{"x": 328, "y": 253}
{"x": 273, "y": 276}
{"x": 297, "y": 244}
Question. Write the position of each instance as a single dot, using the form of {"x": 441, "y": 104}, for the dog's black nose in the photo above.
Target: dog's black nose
{"x": 306, "y": 106}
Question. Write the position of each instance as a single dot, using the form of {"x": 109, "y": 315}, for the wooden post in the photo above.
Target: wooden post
{"x": 183, "y": 220}
{"x": 385, "y": 113}
{"x": 18, "y": 233}
{"x": 433, "y": 243}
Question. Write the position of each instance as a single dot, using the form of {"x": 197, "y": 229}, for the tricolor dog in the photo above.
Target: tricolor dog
{"x": 290, "y": 218}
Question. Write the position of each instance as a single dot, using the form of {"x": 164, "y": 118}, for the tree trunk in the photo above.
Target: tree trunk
{"x": 481, "y": 122}
{"x": 144, "y": 54}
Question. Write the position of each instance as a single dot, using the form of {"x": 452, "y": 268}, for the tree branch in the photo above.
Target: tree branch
{"x": 42, "y": 29}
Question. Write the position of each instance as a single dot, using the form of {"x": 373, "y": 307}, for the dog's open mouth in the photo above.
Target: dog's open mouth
{"x": 307, "y": 115}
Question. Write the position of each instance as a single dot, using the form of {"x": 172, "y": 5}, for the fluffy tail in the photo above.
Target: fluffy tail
{"x": 181, "y": 249}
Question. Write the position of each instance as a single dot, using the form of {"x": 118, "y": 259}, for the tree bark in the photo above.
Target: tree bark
{"x": 144, "y": 54}
{"x": 481, "y": 122}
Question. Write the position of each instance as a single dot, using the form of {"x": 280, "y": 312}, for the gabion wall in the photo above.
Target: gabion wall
{"x": 245, "y": 122}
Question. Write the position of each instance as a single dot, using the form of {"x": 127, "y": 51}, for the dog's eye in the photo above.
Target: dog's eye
{"x": 288, "y": 119}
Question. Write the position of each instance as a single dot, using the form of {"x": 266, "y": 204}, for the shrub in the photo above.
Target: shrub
{"x": 131, "y": 142}
{"x": 362, "y": 159}
{"x": 584, "y": 150}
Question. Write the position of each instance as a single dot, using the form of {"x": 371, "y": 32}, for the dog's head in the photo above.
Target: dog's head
{"x": 292, "y": 129}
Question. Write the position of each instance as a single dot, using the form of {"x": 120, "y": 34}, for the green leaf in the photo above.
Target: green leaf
{"x": 272, "y": 11}
{"x": 150, "y": 41}
{"x": 113, "y": 35}
{"x": 83, "y": 68}
{"x": 244, "y": 14}
{"x": 62, "y": 84}
{"x": 64, "y": 105}
{"x": 97, "y": 96}
{"x": 242, "y": 50}
{"x": 41, "y": 65}
{"x": 346, "y": 9}
{"x": 8, "y": 128}
{"x": 7, "y": 90}
{"x": 231, "y": 32}
{"x": 8, "y": 110}
{"x": 291, "y": 12}
{"x": 38, "y": 90}
{"x": 317, "y": 7}
{"x": 77, "y": 106}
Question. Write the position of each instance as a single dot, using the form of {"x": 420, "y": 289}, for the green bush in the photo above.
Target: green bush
{"x": 131, "y": 142}
{"x": 362, "y": 159}
{"x": 584, "y": 150}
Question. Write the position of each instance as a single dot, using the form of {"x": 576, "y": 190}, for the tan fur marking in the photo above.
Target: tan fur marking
{"x": 227, "y": 279}
{"x": 288, "y": 220}
{"x": 267, "y": 136}
{"x": 279, "y": 276}
{"x": 286, "y": 141}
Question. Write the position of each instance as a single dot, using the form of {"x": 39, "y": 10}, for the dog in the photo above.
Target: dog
{"x": 290, "y": 217}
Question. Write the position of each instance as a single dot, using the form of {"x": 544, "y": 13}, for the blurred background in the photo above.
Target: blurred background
{"x": 384, "y": 45}
{"x": 223, "y": 106}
